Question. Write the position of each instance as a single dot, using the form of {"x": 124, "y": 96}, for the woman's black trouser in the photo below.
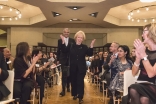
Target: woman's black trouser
{"x": 77, "y": 83}
{"x": 22, "y": 90}
{"x": 40, "y": 80}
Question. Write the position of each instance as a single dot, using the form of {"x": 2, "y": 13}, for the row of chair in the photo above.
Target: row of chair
{"x": 128, "y": 80}
{"x": 9, "y": 83}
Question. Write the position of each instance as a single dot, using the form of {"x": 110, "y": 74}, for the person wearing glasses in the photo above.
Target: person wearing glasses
{"x": 144, "y": 91}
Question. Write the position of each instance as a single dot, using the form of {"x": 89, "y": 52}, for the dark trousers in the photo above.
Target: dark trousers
{"x": 1, "y": 96}
{"x": 22, "y": 90}
{"x": 77, "y": 83}
{"x": 108, "y": 78}
{"x": 65, "y": 81}
{"x": 40, "y": 80}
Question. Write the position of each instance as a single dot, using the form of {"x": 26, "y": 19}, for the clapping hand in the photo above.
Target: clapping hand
{"x": 92, "y": 43}
{"x": 35, "y": 59}
{"x": 62, "y": 37}
{"x": 140, "y": 48}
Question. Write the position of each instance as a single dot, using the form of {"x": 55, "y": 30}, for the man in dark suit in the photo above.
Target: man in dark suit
{"x": 4, "y": 92}
{"x": 63, "y": 59}
{"x": 113, "y": 49}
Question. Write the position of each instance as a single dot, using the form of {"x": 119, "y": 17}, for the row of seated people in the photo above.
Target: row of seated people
{"x": 29, "y": 69}
{"x": 144, "y": 91}
{"x": 117, "y": 66}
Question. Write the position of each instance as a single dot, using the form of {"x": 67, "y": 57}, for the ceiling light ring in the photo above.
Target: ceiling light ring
{"x": 143, "y": 7}
{"x": 18, "y": 12}
{"x": 132, "y": 13}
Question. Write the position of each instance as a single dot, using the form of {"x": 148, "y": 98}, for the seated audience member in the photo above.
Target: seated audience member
{"x": 44, "y": 59}
{"x": 120, "y": 64}
{"x": 145, "y": 92}
{"x": 107, "y": 75}
{"x": 105, "y": 54}
{"x": 8, "y": 58}
{"x": 133, "y": 56}
{"x": 4, "y": 92}
{"x": 40, "y": 68}
{"x": 51, "y": 58}
{"x": 23, "y": 82}
{"x": 100, "y": 61}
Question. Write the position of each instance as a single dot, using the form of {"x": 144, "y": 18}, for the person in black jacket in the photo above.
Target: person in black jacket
{"x": 23, "y": 80}
{"x": 78, "y": 51}
{"x": 4, "y": 92}
{"x": 113, "y": 49}
{"x": 62, "y": 58}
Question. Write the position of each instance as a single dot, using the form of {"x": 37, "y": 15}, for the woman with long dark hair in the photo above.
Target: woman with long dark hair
{"x": 120, "y": 64}
{"x": 23, "y": 82}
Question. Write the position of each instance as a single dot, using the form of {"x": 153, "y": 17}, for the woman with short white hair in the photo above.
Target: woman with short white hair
{"x": 78, "y": 51}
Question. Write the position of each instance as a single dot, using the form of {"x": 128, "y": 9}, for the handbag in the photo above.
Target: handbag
{"x": 66, "y": 69}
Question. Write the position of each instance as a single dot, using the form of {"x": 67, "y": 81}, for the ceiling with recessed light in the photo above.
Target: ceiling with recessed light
{"x": 71, "y": 13}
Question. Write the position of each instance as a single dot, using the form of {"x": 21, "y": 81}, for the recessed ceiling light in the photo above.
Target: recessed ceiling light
{"x": 94, "y": 14}
{"x": 75, "y": 8}
{"x": 74, "y": 19}
{"x": 56, "y": 14}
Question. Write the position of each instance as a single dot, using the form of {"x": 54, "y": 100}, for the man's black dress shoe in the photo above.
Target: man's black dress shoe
{"x": 62, "y": 93}
{"x": 74, "y": 97}
{"x": 80, "y": 101}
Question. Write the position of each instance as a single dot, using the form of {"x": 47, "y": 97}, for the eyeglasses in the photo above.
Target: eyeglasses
{"x": 144, "y": 31}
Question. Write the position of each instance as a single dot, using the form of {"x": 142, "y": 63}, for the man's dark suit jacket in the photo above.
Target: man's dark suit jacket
{"x": 3, "y": 76}
{"x": 63, "y": 57}
{"x": 107, "y": 68}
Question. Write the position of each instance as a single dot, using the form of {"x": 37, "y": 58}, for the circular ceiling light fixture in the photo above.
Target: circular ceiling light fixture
{"x": 144, "y": 13}
{"x": 13, "y": 13}
{"x": 147, "y": 1}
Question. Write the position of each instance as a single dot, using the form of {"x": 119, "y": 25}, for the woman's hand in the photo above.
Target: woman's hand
{"x": 46, "y": 64}
{"x": 62, "y": 37}
{"x": 140, "y": 49}
{"x": 35, "y": 59}
{"x": 92, "y": 43}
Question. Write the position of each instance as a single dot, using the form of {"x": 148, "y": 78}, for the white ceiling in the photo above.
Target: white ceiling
{"x": 38, "y": 13}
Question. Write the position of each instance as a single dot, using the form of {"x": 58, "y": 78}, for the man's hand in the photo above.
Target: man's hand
{"x": 62, "y": 37}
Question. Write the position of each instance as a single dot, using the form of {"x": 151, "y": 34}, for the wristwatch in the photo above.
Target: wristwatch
{"x": 145, "y": 58}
